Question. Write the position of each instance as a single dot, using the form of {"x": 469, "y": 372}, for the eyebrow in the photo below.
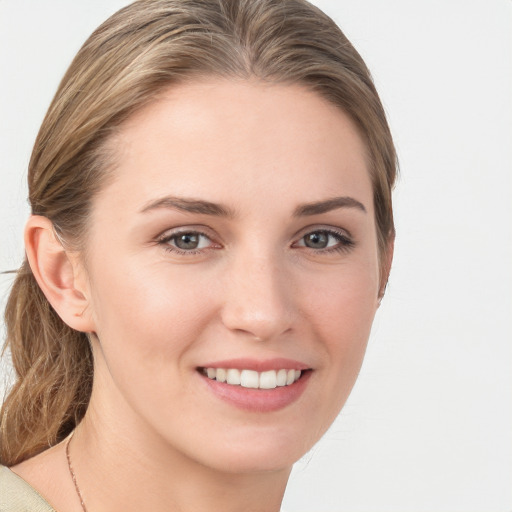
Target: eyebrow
{"x": 200, "y": 206}
{"x": 189, "y": 205}
{"x": 328, "y": 205}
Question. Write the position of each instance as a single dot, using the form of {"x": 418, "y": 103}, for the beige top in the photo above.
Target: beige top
{"x": 16, "y": 495}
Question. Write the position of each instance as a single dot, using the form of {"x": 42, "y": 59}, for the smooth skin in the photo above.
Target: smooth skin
{"x": 168, "y": 283}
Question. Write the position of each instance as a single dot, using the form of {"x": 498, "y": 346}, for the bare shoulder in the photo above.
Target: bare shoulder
{"x": 42, "y": 467}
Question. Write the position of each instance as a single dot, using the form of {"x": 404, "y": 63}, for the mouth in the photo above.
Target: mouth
{"x": 256, "y": 386}
{"x": 253, "y": 379}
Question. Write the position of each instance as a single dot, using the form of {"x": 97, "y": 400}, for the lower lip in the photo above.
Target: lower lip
{"x": 259, "y": 400}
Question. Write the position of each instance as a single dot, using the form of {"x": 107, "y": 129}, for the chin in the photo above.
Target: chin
{"x": 254, "y": 461}
{"x": 259, "y": 450}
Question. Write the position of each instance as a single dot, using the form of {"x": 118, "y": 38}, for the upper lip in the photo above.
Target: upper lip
{"x": 257, "y": 365}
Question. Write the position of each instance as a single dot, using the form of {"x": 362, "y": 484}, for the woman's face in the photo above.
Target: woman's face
{"x": 236, "y": 241}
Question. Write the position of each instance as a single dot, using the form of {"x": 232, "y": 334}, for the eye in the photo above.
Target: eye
{"x": 318, "y": 240}
{"x": 186, "y": 242}
{"x": 190, "y": 241}
{"x": 325, "y": 240}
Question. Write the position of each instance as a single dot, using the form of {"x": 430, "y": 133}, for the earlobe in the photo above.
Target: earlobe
{"x": 58, "y": 273}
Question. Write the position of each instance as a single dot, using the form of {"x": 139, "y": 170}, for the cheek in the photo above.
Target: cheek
{"x": 145, "y": 314}
{"x": 342, "y": 312}
{"x": 343, "y": 302}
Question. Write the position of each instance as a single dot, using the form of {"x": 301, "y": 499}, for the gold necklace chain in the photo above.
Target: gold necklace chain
{"x": 73, "y": 476}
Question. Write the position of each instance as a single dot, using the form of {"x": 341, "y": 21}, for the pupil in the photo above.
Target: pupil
{"x": 317, "y": 240}
{"x": 187, "y": 241}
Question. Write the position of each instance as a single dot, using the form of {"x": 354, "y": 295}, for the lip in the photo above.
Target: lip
{"x": 258, "y": 400}
{"x": 276, "y": 363}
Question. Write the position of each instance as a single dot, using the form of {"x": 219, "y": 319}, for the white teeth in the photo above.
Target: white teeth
{"x": 232, "y": 377}
{"x": 249, "y": 379}
{"x": 221, "y": 375}
{"x": 281, "y": 378}
{"x": 268, "y": 380}
{"x": 252, "y": 379}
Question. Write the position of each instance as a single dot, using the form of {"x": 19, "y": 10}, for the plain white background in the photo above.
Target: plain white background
{"x": 428, "y": 427}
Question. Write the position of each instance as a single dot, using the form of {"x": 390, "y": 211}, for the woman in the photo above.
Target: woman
{"x": 211, "y": 236}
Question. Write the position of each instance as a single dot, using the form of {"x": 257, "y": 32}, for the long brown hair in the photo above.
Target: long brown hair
{"x": 124, "y": 65}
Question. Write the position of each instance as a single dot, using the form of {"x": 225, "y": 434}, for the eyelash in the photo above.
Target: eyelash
{"x": 345, "y": 243}
{"x": 166, "y": 240}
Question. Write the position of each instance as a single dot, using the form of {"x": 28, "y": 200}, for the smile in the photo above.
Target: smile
{"x": 252, "y": 379}
{"x": 256, "y": 385}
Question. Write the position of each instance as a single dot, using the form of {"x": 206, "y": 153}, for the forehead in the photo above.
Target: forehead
{"x": 230, "y": 139}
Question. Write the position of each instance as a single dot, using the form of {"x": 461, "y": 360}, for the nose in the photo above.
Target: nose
{"x": 258, "y": 298}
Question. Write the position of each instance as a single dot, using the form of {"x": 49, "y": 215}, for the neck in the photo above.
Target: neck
{"x": 121, "y": 467}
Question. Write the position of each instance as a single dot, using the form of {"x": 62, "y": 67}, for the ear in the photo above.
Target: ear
{"x": 59, "y": 274}
{"x": 385, "y": 267}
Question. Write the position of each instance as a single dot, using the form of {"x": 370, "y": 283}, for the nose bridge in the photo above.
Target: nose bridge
{"x": 258, "y": 295}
